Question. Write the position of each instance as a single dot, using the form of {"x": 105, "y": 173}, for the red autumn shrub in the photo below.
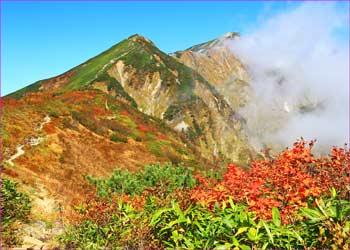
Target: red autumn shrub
{"x": 49, "y": 128}
{"x": 124, "y": 112}
{"x": 285, "y": 182}
{"x": 11, "y": 102}
{"x": 143, "y": 128}
{"x": 34, "y": 100}
{"x": 162, "y": 137}
{"x": 97, "y": 110}
{"x": 10, "y": 172}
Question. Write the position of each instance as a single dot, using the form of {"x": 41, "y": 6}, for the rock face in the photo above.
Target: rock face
{"x": 218, "y": 65}
{"x": 167, "y": 89}
{"x": 266, "y": 114}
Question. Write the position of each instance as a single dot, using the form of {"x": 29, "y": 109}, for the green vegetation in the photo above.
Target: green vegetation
{"x": 116, "y": 126}
{"x": 15, "y": 207}
{"x": 158, "y": 214}
{"x": 155, "y": 148}
{"x": 141, "y": 59}
{"x": 328, "y": 221}
{"x": 229, "y": 226}
{"x": 30, "y": 88}
{"x": 99, "y": 102}
{"x": 197, "y": 128}
{"x": 126, "y": 121}
{"x": 135, "y": 135}
{"x": 88, "y": 71}
{"x": 167, "y": 175}
{"x": 113, "y": 84}
{"x": 116, "y": 138}
{"x": 172, "y": 111}
{"x": 121, "y": 228}
{"x": 89, "y": 122}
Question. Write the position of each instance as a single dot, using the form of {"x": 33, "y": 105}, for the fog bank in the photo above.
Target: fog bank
{"x": 299, "y": 75}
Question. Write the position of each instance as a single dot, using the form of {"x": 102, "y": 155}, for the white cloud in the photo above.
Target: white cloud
{"x": 295, "y": 61}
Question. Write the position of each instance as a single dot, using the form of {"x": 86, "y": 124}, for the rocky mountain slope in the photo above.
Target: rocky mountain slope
{"x": 215, "y": 61}
{"x": 267, "y": 100}
{"x": 138, "y": 73}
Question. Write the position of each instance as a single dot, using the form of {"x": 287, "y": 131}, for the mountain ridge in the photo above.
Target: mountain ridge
{"x": 136, "y": 71}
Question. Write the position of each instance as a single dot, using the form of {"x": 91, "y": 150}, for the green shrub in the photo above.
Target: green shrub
{"x": 172, "y": 111}
{"x": 126, "y": 121}
{"x": 171, "y": 220}
{"x": 229, "y": 226}
{"x": 116, "y": 126}
{"x": 88, "y": 122}
{"x": 119, "y": 228}
{"x": 155, "y": 148}
{"x": 169, "y": 176}
{"x": 53, "y": 114}
{"x": 34, "y": 87}
{"x": 117, "y": 138}
{"x": 327, "y": 223}
{"x": 164, "y": 197}
{"x": 15, "y": 206}
{"x": 113, "y": 84}
{"x": 135, "y": 136}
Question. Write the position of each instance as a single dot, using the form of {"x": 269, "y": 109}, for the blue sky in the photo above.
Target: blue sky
{"x": 43, "y": 39}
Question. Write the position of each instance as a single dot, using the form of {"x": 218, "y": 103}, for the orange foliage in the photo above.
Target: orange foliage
{"x": 91, "y": 94}
{"x": 77, "y": 96}
{"x": 124, "y": 112}
{"x": 10, "y": 172}
{"x": 11, "y": 102}
{"x": 285, "y": 182}
{"x": 162, "y": 137}
{"x": 97, "y": 110}
{"x": 49, "y": 128}
{"x": 34, "y": 100}
{"x": 143, "y": 128}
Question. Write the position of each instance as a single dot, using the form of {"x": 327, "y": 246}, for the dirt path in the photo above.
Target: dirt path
{"x": 19, "y": 152}
{"x": 31, "y": 142}
{"x": 47, "y": 119}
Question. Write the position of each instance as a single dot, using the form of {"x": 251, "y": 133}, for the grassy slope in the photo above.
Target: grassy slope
{"x": 88, "y": 71}
{"x": 30, "y": 88}
{"x": 138, "y": 54}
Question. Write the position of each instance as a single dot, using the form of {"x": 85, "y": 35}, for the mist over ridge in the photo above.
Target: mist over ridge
{"x": 300, "y": 77}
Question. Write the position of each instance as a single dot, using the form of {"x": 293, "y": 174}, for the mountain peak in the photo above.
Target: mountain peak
{"x": 218, "y": 42}
{"x": 229, "y": 35}
{"x": 140, "y": 38}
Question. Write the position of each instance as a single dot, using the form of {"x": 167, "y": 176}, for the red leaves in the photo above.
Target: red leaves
{"x": 49, "y": 128}
{"x": 98, "y": 111}
{"x": 10, "y": 172}
{"x": 124, "y": 112}
{"x": 143, "y": 128}
{"x": 162, "y": 137}
{"x": 284, "y": 182}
